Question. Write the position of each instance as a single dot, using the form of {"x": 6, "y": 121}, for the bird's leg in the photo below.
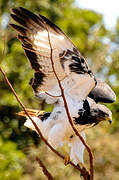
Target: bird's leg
{"x": 65, "y": 150}
{"x": 66, "y": 159}
{"x": 84, "y": 172}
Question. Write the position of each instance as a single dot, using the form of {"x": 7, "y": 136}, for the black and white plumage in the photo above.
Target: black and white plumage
{"x": 70, "y": 66}
{"x": 102, "y": 93}
{"x": 56, "y": 128}
{"x": 75, "y": 76}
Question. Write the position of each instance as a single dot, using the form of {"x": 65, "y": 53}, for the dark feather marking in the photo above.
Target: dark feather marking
{"x": 33, "y": 59}
{"x": 95, "y": 81}
{"x": 76, "y": 51}
{"x": 20, "y": 29}
{"x": 24, "y": 39}
{"x": 68, "y": 53}
{"x": 32, "y": 56}
{"x": 82, "y": 60}
{"x": 78, "y": 68}
{"x": 90, "y": 72}
{"x": 98, "y": 97}
{"x": 28, "y": 47}
{"x": 45, "y": 116}
{"x": 19, "y": 20}
{"x": 27, "y": 23}
{"x": 15, "y": 11}
{"x": 26, "y": 44}
{"x": 37, "y": 80}
{"x": 84, "y": 115}
{"x": 52, "y": 25}
{"x": 86, "y": 119}
{"x": 89, "y": 116}
{"x": 100, "y": 94}
{"x": 86, "y": 106}
{"x": 77, "y": 59}
{"x": 31, "y": 15}
{"x": 28, "y": 17}
{"x": 19, "y": 14}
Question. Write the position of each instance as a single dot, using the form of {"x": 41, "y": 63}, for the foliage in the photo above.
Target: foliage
{"x": 11, "y": 161}
{"x": 12, "y": 127}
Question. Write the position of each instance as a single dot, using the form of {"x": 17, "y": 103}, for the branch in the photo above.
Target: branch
{"x": 67, "y": 110}
{"x": 84, "y": 173}
{"x": 45, "y": 171}
{"x": 52, "y": 95}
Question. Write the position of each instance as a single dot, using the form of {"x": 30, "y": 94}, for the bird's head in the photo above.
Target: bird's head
{"x": 93, "y": 114}
{"x": 101, "y": 113}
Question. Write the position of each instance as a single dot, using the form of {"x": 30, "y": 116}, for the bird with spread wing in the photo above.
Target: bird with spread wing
{"x": 47, "y": 47}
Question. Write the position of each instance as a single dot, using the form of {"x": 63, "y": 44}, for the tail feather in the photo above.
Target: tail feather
{"x": 31, "y": 112}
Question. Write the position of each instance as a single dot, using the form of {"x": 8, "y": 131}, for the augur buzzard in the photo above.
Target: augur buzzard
{"x": 82, "y": 90}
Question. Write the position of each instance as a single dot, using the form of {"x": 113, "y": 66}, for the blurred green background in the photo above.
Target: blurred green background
{"x": 19, "y": 145}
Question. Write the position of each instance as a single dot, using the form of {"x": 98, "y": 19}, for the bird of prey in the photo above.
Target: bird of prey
{"x": 48, "y": 49}
{"x": 56, "y": 128}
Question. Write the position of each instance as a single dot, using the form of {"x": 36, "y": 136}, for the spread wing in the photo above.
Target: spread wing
{"x": 70, "y": 66}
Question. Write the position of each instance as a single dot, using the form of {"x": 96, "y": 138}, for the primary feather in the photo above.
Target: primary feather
{"x": 102, "y": 93}
{"x": 70, "y": 66}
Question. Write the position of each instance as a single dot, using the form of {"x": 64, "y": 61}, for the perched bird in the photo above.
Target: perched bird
{"x": 50, "y": 51}
{"x": 56, "y": 128}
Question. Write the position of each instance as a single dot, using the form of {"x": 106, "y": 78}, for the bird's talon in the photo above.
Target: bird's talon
{"x": 66, "y": 159}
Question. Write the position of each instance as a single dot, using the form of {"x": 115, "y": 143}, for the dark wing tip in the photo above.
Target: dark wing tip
{"x": 100, "y": 97}
{"x": 102, "y": 93}
{"x": 37, "y": 80}
{"x": 15, "y": 10}
{"x": 51, "y": 24}
{"x": 18, "y": 20}
{"x": 19, "y": 29}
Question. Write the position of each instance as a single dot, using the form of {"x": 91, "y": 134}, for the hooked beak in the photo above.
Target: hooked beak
{"x": 109, "y": 119}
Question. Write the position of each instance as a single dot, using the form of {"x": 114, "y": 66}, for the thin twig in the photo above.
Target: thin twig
{"x": 52, "y": 95}
{"x": 67, "y": 110}
{"x": 45, "y": 171}
{"x": 38, "y": 130}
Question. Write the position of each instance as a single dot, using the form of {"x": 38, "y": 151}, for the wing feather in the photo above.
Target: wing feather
{"x": 68, "y": 63}
{"x": 102, "y": 93}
